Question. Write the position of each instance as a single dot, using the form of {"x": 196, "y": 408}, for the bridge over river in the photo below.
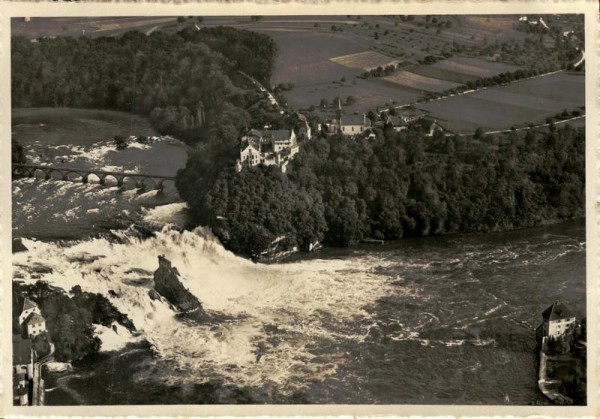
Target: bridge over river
{"x": 120, "y": 179}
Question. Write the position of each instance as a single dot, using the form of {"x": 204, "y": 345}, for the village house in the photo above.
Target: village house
{"x": 330, "y": 126}
{"x": 400, "y": 119}
{"x": 433, "y": 128}
{"x": 31, "y": 320}
{"x": 22, "y": 370}
{"x": 409, "y": 115}
{"x": 558, "y": 321}
{"x": 304, "y": 132}
{"x": 396, "y": 122}
{"x": 268, "y": 147}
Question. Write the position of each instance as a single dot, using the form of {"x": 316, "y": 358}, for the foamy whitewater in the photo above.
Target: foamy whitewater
{"x": 307, "y": 301}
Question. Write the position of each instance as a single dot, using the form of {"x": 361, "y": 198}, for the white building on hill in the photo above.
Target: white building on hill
{"x": 268, "y": 147}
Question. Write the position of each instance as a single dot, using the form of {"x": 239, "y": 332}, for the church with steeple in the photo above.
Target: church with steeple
{"x": 348, "y": 125}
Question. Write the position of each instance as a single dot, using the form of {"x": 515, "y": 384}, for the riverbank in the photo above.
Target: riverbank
{"x": 397, "y": 243}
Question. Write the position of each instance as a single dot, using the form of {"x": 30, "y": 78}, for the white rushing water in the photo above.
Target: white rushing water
{"x": 305, "y": 302}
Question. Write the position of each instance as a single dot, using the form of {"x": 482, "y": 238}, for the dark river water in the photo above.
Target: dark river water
{"x": 442, "y": 320}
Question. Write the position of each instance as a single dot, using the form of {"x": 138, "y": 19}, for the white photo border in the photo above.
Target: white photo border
{"x": 155, "y": 8}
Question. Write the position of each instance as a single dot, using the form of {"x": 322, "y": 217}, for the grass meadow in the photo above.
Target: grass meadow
{"x": 517, "y": 104}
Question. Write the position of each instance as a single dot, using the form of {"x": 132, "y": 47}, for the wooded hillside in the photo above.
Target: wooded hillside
{"x": 184, "y": 86}
{"x": 399, "y": 184}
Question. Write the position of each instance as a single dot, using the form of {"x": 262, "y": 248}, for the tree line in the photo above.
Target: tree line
{"x": 399, "y": 184}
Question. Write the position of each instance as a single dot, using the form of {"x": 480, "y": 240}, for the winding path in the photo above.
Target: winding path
{"x": 262, "y": 88}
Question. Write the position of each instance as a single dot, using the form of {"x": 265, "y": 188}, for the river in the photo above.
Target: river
{"x": 442, "y": 320}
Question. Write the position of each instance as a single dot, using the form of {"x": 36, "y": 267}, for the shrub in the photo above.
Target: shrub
{"x": 17, "y": 152}
{"x": 120, "y": 142}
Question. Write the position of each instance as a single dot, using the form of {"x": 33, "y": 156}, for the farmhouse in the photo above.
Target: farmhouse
{"x": 402, "y": 118}
{"x": 433, "y": 128}
{"x": 409, "y": 115}
{"x": 396, "y": 122}
{"x": 558, "y": 321}
{"x": 268, "y": 147}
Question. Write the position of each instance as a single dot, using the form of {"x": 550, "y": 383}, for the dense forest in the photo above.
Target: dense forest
{"x": 180, "y": 81}
{"x": 399, "y": 184}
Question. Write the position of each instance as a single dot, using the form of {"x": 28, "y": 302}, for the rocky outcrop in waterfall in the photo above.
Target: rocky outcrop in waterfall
{"x": 168, "y": 285}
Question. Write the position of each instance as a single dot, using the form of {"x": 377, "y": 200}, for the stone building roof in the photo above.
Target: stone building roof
{"x": 557, "y": 311}
{"x": 278, "y": 134}
{"x": 395, "y": 120}
{"x": 28, "y": 304}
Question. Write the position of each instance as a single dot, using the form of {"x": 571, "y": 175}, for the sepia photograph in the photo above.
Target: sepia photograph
{"x": 324, "y": 209}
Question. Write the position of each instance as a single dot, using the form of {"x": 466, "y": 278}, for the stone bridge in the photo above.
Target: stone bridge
{"x": 140, "y": 180}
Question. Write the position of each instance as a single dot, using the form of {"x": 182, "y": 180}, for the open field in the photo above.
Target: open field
{"x": 565, "y": 87}
{"x": 438, "y": 73}
{"x": 409, "y": 39}
{"x": 416, "y": 81}
{"x": 317, "y": 52}
{"x": 474, "y": 66}
{"x": 305, "y": 59}
{"x": 464, "y": 114}
{"x": 366, "y": 60}
{"x": 89, "y": 26}
{"x": 517, "y": 104}
{"x": 368, "y": 94}
{"x": 479, "y": 28}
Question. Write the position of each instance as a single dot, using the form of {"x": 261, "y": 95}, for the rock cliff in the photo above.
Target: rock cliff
{"x": 167, "y": 284}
